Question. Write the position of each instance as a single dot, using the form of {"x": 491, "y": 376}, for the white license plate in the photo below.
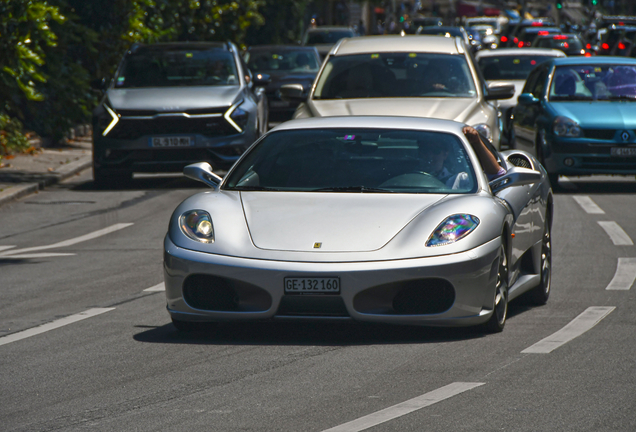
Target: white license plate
{"x": 623, "y": 151}
{"x": 171, "y": 141}
{"x": 312, "y": 285}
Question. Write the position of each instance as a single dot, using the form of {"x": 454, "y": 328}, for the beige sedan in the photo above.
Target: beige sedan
{"x": 414, "y": 76}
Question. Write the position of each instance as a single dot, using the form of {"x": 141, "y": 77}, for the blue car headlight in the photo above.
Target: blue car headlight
{"x": 197, "y": 224}
{"x": 453, "y": 229}
{"x": 566, "y": 127}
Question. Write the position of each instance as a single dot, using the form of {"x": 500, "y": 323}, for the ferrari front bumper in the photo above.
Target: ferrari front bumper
{"x": 367, "y": 289}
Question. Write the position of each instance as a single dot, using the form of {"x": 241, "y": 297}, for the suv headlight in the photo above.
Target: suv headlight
{"x": 566, "y": 127}
{"x": 197, "y": 224}
{"x": 108, "y": 121}
{"x": 237, "y": 117}
{"x": 453, "y": 229}
{"x": 484, "y": 129}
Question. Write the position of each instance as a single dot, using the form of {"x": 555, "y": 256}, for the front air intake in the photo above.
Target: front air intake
{"x": 215, "y": 293}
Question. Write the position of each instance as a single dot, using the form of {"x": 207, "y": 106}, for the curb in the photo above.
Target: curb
{"x": 59, "y": 175}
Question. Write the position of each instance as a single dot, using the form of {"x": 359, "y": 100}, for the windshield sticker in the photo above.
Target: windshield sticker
{"x": 188, "y": 55}
{"x": 375, "y": 56}
{"x": 412, "y": 55}
{"x": 349, "y": 137}
{"x": 516, "y": 61}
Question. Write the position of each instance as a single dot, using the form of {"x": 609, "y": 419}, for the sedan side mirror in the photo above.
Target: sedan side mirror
{"x": 527, "y": 99}
{"x": 261, "y": 79}
{"x": 293, "y": 93}
{"x": 202, "y": 171}
{"x": 500, "y": 91}
{"x": 515, "y": 176}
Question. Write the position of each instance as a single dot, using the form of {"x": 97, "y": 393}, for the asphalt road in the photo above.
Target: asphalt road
{"x": 84, "y": 346}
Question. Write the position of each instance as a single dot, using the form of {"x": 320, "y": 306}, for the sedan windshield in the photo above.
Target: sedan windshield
{"x": 282, "y": 61}
{"x": 507, "y": 67}
{"x": 594, "y": 82}
{"x": 387, "y": 75}
{"x": 356, "y": 160}
{"x": 177, "y": 68}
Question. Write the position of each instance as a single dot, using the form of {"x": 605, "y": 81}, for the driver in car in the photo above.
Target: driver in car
{"x": 434, "y": 155}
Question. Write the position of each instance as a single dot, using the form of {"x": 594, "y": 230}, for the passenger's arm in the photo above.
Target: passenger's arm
{"x": 486, "y": 158}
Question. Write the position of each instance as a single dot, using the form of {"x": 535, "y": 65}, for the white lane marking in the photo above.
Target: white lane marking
{"x": 158, "y": 287}
{"x": 566, "y": 183}
{"x": 624, "y": 276}
{"x": 588, "y": 205}
{"x": 35, "y": 255}
{"x": 404, "y": 408}
{"x": 72, "y": 241}
{"x": 6, "y": 247}
{"x": 575, "y": 328}
{"x": 52, "y": 325}
{"x": 616, "y": 233}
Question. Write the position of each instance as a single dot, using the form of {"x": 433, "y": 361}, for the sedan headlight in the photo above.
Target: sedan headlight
{"x": 453, "y": 229}
{"x": 566, "y": 127}
{"x": 197, "y": 224}
{"x": 236, "y": 116}
{"x": 484, "y": 129}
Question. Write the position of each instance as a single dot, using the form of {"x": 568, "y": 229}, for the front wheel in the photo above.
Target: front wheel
{"x": 539, "y": 295}
{"x": 497, "y": 321}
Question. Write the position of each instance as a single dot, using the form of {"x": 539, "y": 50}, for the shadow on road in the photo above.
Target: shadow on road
{"x": 141, "y": 183}
{"x": 595, "y": 185}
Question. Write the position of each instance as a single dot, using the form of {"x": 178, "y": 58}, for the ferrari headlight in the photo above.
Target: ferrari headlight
{"x": 484, "y": 129}
{"x": 566, "y": 127}
{"x": 197, "y": 224}
{"x": 236, "y": 116}
{"x": 453, "y": 229}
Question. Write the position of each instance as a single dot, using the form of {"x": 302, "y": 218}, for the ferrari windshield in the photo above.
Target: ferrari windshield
{"x": 389, "y": 75}
{"x": 593, "y": 82}
{"x": 355, "y": 160}
{"x": 507, "y": 67}
{"x": 177, "y": 68}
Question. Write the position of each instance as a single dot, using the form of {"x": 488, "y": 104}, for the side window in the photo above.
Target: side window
{"x": 538, "y": 89}
{"x": 530, "y": 82}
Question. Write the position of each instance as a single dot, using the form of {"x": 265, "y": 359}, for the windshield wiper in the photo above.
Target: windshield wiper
{"x": 622, "y": 97}
{"x": 570, "y": 98}
{"x": 253, "y": 188}
{"x": 352, "y": 189}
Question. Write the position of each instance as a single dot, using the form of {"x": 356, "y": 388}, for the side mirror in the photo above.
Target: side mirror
{"x": 293, "y": 92}
{"x": 500, "y": 91}
{"x": 527, "y": 99}
{"x": 202, "y": 171}
{"x": 261, "y": 79}
{"x": 516, "y": 176}
{"x": 99, "y": 84}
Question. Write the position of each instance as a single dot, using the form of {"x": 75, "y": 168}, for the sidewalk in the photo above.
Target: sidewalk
{"x": 27, "y": 173}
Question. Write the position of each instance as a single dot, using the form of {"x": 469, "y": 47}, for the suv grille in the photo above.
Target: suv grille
{"x": 136, "y": 128}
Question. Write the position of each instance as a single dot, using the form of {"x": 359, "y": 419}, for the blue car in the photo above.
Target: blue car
{"x": 578, "y": 115}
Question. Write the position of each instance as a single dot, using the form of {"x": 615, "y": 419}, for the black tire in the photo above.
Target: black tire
{"x": 497, "y": 321}
{"x": 540, "y": 294}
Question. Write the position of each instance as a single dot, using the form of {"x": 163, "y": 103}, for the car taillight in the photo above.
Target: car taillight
{"x": 605, "y": 46}
{"x": 504, "y": 39}
{"x": 621, "y": 46}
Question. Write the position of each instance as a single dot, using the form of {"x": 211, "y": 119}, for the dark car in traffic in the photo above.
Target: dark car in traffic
{"x": 325, "y": 37}
{"x": 578, "y": 115}
{"x": 570, "y": 44}
{"x": 173, "y": 104}
{"x": 284, "y": 64}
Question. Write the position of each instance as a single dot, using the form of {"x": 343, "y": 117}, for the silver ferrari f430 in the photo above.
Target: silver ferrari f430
{"x": 379, "y": 219}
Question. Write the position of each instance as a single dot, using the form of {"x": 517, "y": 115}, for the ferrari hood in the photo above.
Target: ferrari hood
{"x": 458, "y": 109}
{"x": 329, "y": 222}
{"x": 170, "y": 99}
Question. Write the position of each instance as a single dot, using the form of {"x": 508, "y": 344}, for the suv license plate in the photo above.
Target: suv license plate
{"x": 171, "y": 141}
{"x": 623, "y": 151}
{"x": 312, "y": 285}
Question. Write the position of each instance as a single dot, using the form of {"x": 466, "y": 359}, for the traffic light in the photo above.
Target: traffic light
{"x": 559, "y": 4}
{"x": 594, "y": 2}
